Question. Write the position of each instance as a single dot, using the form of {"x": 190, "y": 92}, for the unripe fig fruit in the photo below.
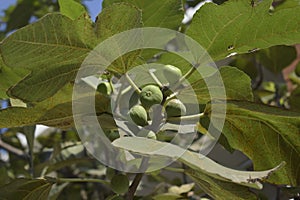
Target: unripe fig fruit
{"x": 151, "y": 95}
{"x": 147, "y": 133}
{"x": 119, "y": 184}
{"x": 297, "y": 70}
{"x": 112, "y": 134}
{"x": 172, "y": 74}
{"x": 138, "y": 115}
{"x": 151, "y": 135}
{"x": 104, "y": 88}
{"x": 175, "y": 108}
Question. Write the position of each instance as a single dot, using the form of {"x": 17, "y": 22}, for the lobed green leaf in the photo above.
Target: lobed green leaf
{"x": 156, "y": 13}
{"x": 71, "y": 8}
{"x": 235, "y": 82}
{"x": 237, "y": 27}
{"x": 195, "y": 161}
{"x": 267, "y": 135}
{"x": 26, "y": 189}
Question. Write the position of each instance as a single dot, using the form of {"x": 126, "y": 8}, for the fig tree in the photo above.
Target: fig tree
{"x": 172, "y": 73}
{"x": 119, "y": 183}
{"x": 175, "y": 108}
{"x": 151, "y": 95}
{"x": 138, "y": 115}
{"x": 104, "y": 88}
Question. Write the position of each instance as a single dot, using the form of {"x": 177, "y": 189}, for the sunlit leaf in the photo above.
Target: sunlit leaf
{"x": 156, "y": 13}
{"x": 185, "y": 188}
{"x": 53, "y": 48}
{"x": 113, "y": 20}
{"x": 56, "y": 112}
{"x": 71, "y": 8}
{"x": 193, "y": 160}
{"x": 267, "y": 135}
{"x": 9, "y": 77}
{"x": 236, "y": 88}
{"x": 236, "y": 26}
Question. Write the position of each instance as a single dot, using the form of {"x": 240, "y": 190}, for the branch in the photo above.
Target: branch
{"x": 186, "y": 117}
{"x": 135, "y": 87}
{"x": 151, "y": 72}
{"x": 136, "y": 181}
{"x": 13, "y": 149}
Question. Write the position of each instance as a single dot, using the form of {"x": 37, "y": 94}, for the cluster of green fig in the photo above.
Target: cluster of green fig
{"x": 151, "y": 95}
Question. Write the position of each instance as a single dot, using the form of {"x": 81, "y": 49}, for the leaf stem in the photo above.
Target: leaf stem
{"x": 76, "y": 180}
{"x": 188, "y": 117}
{"x": 137, "y": 179}
{"x": 189, "y": 73}
{"x": 155, "y": 78}
{"x": 186, "y": 75}
{"x": 132, "y": 189}
{"x": 13, "y": 149}
{"x": 135, "y": 87}
{"x": 173, "y": 169}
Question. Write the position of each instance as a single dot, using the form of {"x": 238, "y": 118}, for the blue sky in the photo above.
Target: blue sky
{"x": 94, "y": 6}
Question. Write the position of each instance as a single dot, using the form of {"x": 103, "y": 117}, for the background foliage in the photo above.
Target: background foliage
{"x": 254, "y": 46}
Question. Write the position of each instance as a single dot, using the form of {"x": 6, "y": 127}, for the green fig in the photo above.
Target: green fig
{"x": 175, "y": 108}
{"x": 112, "y": 134}
{"x": 147, "y": 133}
{"x": 151, "y": 135}
{"x": 138, "y": 115}
{"x": 172, "y": 74}
{"x": 104, "y": 88}
{"x": 151, "y": 95}
{"x": 119, "y": 183}
{"x": 297, "y": 70}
